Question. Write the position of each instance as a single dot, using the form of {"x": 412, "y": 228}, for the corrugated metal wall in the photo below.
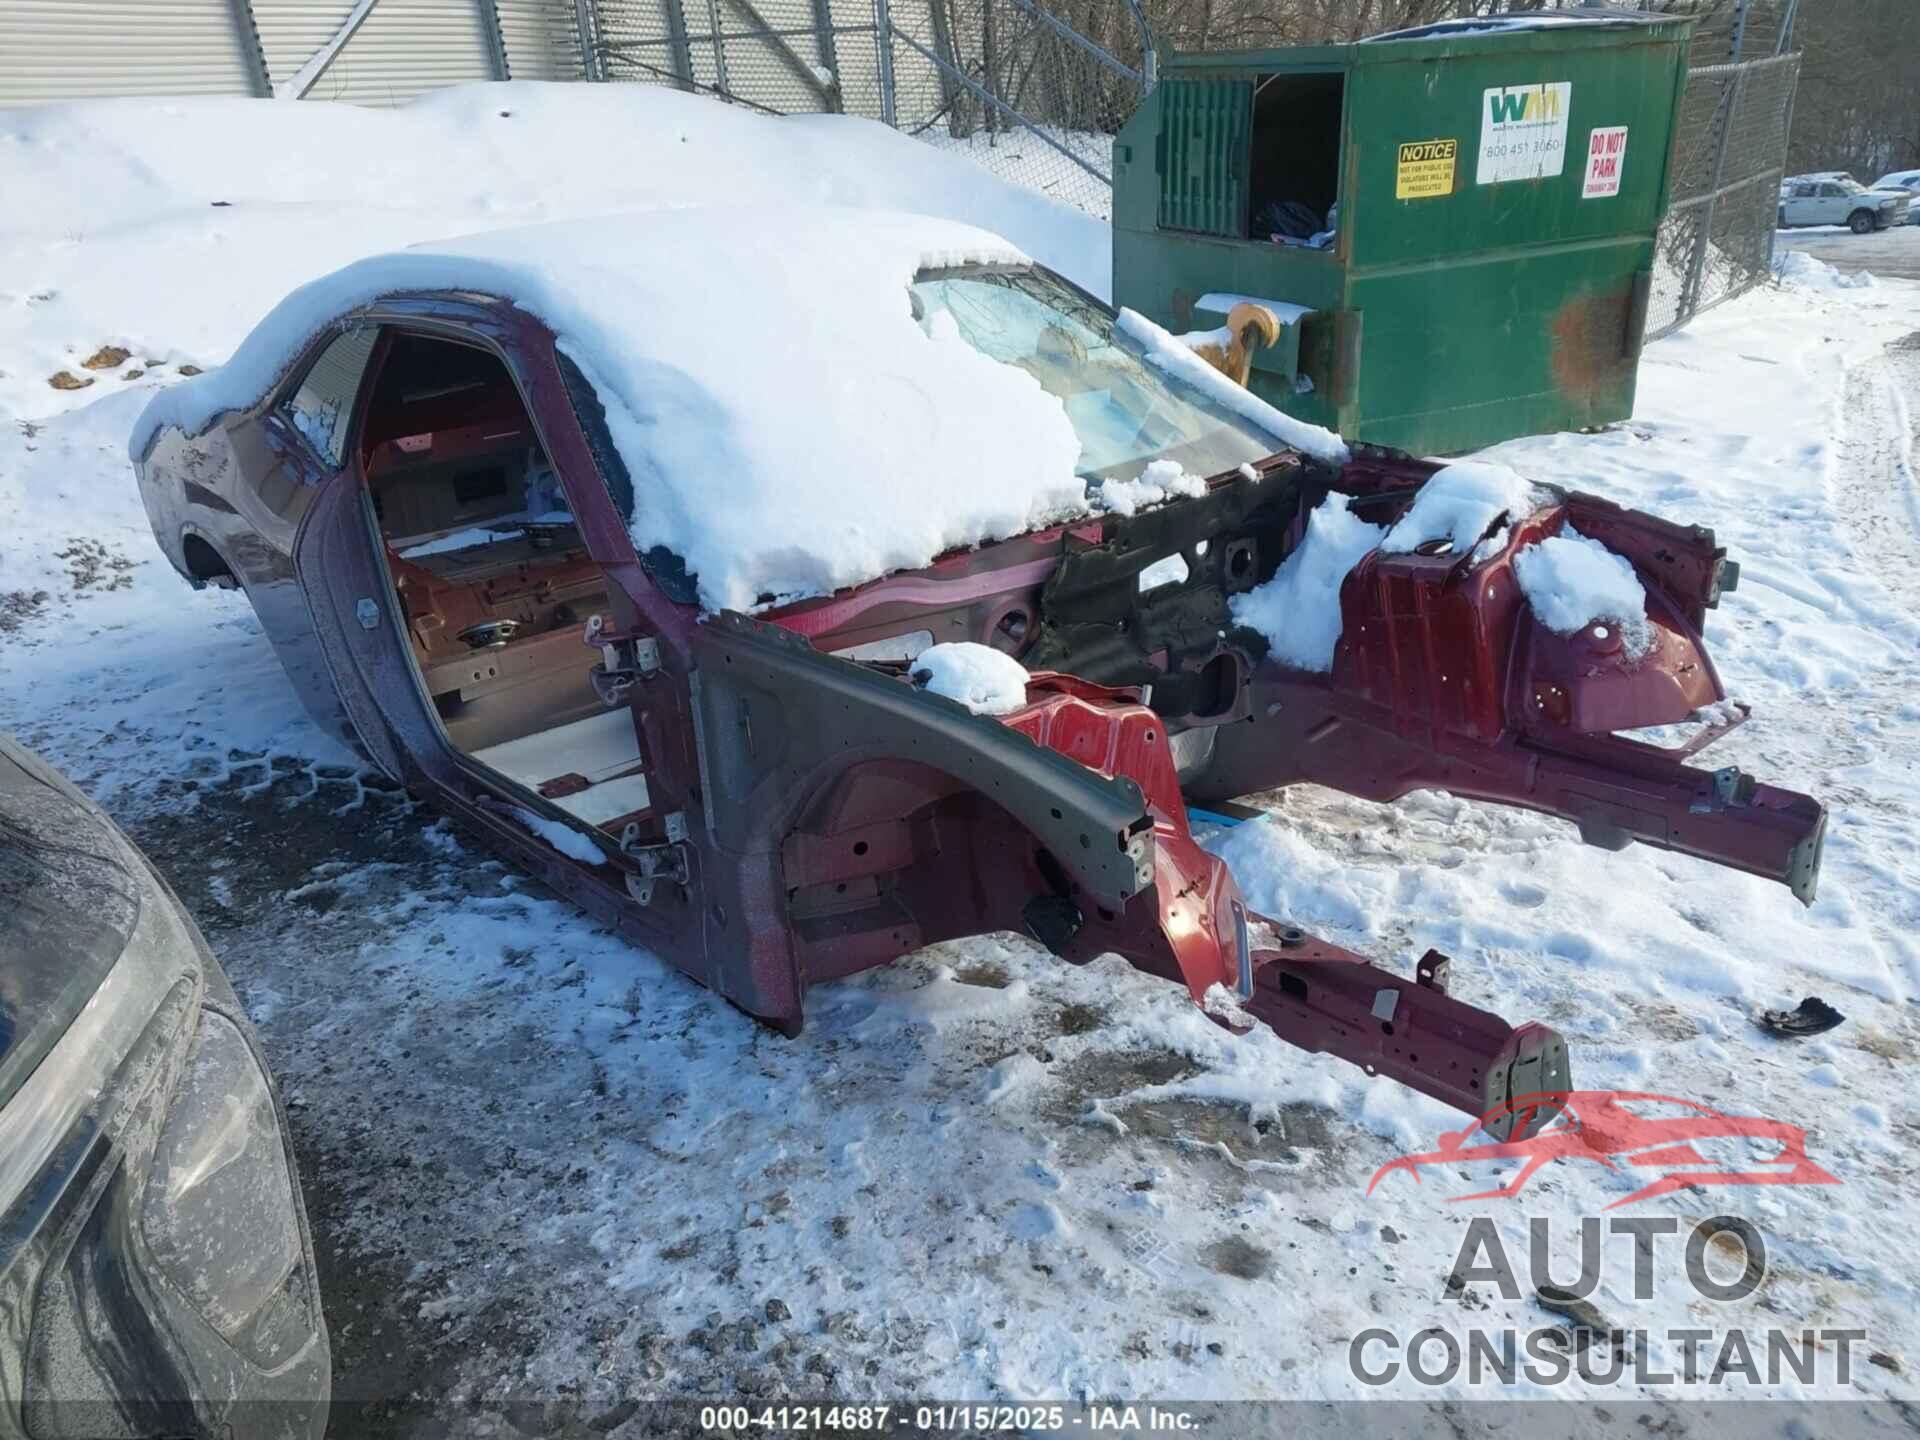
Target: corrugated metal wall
{"x": 402, "y": 48}
{"x": 293, "y": 30}
{"x": 73, "y": 49}
{"x": 784, "y": 55}
{"x": 542, "y": 39}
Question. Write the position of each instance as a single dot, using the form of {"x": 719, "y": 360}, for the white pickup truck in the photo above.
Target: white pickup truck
{"x": 1837, "y": 199}
{"x": 1907, "y": 180}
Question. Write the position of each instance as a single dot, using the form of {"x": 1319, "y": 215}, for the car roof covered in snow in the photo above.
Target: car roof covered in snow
{"x": 789, "y": 427}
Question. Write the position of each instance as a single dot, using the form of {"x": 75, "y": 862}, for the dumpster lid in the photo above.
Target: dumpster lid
{"x": 1593, "y": 16}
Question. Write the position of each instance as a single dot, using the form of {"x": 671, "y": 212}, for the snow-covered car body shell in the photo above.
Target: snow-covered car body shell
{"x": 822, "y": 816}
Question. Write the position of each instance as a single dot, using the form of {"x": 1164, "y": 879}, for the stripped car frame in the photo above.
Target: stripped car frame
{"x": 812, "y": 815}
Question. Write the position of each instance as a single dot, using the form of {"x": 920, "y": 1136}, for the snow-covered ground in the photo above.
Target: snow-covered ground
{"x": 543, "y": 1165}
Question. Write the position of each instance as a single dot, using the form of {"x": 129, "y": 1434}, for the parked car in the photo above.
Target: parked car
{"x": 1907, "y": 180}
{"x": 622, "y": 540}
{"x": 155, "y": 1266}
{"x": 1837, "y": 199}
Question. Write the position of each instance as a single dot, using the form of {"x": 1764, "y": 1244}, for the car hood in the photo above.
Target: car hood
{"x": 69, "y": 903}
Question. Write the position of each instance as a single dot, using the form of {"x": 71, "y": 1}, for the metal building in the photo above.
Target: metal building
{"x": 74, "y": 49}
{"x": 369, "y": 52}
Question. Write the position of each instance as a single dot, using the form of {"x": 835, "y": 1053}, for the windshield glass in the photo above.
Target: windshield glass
{"x": 1125, "y": 412}
{"x": 1852, "y": 187}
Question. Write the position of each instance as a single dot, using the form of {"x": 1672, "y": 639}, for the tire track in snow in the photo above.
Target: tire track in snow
{"x": 1875, "y": 489}
{"x": 1877, "y": 501}
{"x": 1904, "y": 358}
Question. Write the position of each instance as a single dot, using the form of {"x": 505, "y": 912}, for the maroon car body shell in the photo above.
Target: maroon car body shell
{"x": 812, "y": 816}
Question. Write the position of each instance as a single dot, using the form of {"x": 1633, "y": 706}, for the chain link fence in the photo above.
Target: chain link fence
{"x": 1729, "y": 156}
{"x": 778, "y": 56}
{"x": 1034, "y": 93}
{"x": 1728, "y": 160}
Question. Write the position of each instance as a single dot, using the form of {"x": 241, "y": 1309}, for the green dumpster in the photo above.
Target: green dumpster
{"x": 1456, "y": 224}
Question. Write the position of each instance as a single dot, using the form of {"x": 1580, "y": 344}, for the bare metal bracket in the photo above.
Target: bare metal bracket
{"x": 624, "y": 660}
{"x": 671, "y": 861}
{"x": 1731, "y": 787}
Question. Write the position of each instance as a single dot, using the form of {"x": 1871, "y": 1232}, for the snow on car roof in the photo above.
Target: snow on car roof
{"x": 789, "y": 427}
{"x": 272, "y": 194}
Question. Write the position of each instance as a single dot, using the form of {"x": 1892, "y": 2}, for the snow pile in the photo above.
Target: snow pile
{"x": 1572, "y": 582}
{"x": 564, "y": 838}
{"x": 1171, "y": 354}
{"x": 1223, "y": 1004}
{"x": 168, "y": 227}
{"x": 789, "y": 428}
{"x": 1807, "y": 272}
{"x": 985, "y": 680}
{"x": 1460, "y": 505}
{"x": 1161, "y": 481}
{"x": 1023, "y": 158}
{"x": 1298, "y": 610}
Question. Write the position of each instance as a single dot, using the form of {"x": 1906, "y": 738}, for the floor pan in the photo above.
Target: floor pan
{"x": 601, "y": 750}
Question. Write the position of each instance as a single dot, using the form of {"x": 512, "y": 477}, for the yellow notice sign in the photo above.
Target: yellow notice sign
{"x": 1426, "y": 169}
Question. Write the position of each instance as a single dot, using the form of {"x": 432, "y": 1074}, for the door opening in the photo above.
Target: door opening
{"x": 494, "y": 582}
{"x": 1294, "y": 174}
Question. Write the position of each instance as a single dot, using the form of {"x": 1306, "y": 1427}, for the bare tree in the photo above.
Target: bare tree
{"x": 1859, "y": 104}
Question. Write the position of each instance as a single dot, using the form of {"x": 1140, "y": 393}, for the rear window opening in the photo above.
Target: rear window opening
{"x": 1293, "y": 172}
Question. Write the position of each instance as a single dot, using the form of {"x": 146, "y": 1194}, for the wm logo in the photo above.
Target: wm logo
{"x": 1525, "y": 104}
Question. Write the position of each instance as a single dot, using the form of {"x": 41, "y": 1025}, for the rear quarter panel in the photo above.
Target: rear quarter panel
{"x": 241, "y": 488}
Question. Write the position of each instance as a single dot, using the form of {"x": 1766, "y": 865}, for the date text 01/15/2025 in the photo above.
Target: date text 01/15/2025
{"x": 945, "y": 1419}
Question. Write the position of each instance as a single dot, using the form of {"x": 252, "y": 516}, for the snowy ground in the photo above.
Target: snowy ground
{"x": 543, "y": 1165}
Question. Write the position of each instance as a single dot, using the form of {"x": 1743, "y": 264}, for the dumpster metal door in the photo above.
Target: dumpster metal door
{"x": 1202, "y": 155}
